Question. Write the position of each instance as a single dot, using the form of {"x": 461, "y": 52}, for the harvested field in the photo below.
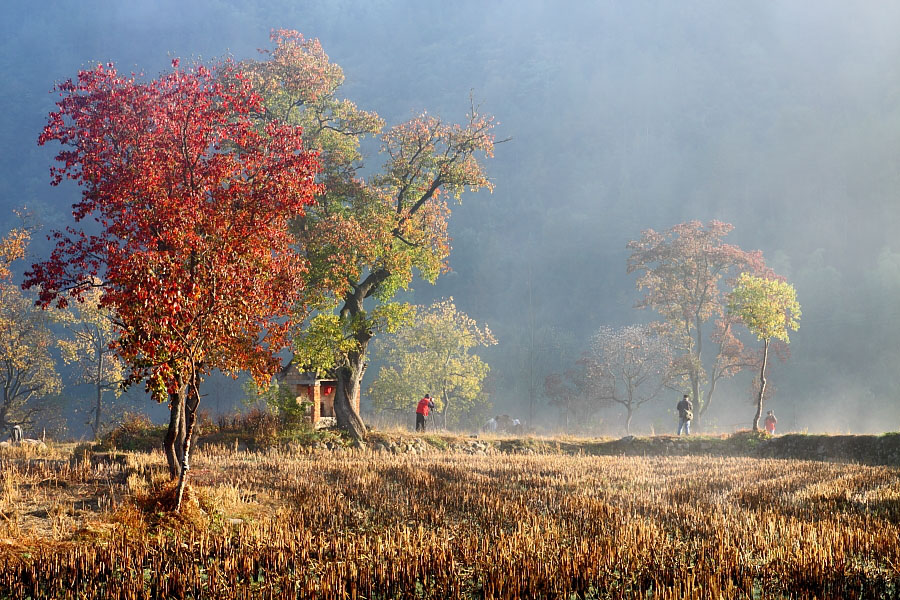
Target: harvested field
{"x": 362, "y": 524}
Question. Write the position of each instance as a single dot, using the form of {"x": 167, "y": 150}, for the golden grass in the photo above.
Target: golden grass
{"x": 356, "y": 524}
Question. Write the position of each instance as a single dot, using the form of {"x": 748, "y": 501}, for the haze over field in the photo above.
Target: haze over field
{"x": 777, "y": 118}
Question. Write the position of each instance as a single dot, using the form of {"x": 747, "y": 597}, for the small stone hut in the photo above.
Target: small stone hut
{"x": 317, "y": 391}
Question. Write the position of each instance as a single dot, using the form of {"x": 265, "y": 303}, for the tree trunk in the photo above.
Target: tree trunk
{"x": 709, "y": 394}
{"x": 762, "y": 385}
{"x": 99, "y": 405}
{"x": 174, "y": 442}
{"x": 5, "y": 425}
{"x": 350, "y": 375}
{"x": 348, "y": 381}
{"x": 695, "y": 399}
{"x": 444, "y": 415}
{"x": 191, "y": 403}
{"x": 628, "y": 415}
{"x": 699, "y": 408}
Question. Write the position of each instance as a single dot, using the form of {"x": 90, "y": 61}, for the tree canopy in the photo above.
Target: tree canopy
{"x": 684, "y": 272}
{"x": 90, "y": 347}
{"x": 192, "y": 199}
{"x": 27, "y": 369}
{"x": 572, "y": 393}
{"x": 433, "y": 354}
{"x": 628, "y": 366}
{"x": 768, "y": 307}
{"x": 372, "y": 229}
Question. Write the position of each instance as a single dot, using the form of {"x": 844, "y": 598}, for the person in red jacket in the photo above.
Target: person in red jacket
{"x": 770, "y": 422}
{"x": 425, "y": 405}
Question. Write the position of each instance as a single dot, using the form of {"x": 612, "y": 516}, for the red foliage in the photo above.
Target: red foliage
{"x": 682, "y": 266}
{"x": 685, "y": 272}
{"x": 192, "y": 201}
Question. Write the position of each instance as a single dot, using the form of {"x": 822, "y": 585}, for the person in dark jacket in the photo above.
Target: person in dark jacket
{"x": 685, "y": 415}
{"x": 424, "y": 406}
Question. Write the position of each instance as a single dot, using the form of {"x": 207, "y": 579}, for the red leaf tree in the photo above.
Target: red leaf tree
{"x": 192, "y": 200}
{"x": 685, "y": 272}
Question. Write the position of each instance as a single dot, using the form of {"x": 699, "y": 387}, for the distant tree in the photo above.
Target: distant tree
{"x": 371, "y": 229}
{"x": 192, "y": 200}
{"x": 768, "y": 307}
{"x": 27, "y": 369}
{"x": 683, "y": 271}
{"x": 90, "y": 347}
{"x": 571, "y": 393}
{"x": 628, "y": 366}
{"x": 433, "y": 354}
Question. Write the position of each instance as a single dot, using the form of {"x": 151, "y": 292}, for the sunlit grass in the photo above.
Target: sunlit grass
{"x": 299, "y": 523}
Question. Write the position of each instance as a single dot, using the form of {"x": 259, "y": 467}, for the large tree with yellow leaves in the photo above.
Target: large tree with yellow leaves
{"x": 372, "y": 229}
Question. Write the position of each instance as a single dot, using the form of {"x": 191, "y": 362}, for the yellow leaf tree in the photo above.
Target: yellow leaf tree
{"x": 90, "y": 348}
{"x": 768, "y": 307}
{"x": 27, "y": 369}
{"x": 433, "y": 354}
{"x": 372, "y": 229}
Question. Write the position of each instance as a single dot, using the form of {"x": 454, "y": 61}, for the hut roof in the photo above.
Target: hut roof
{"x": 304, "y": 377}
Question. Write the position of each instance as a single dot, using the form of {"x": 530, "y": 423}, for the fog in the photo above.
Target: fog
{"x": 778, "y": 118}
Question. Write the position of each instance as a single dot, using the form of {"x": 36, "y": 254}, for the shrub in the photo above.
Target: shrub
{"x": 135, "y": 432}
{"x": 261, "y": 427}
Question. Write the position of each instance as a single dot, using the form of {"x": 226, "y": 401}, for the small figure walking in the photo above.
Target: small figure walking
{"x": 425, "y": 405}
{"x": 17, "y": 434}
{"x": 491, "y": 425}
{"x": 770, "y": 422}
{"x": 685, "y": 415}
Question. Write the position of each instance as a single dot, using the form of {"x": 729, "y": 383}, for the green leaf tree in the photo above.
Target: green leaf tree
{"x": 572, "y": 393}
{"x": 90, "y": 347}
{"x": 434, "y": 354}
{"x": 768, "y": 307}
{"x": 27, "y": 369}
{"x": 372, "y": 230}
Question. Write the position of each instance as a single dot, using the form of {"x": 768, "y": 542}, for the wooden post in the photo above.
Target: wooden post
{"x": 317, "y": 402}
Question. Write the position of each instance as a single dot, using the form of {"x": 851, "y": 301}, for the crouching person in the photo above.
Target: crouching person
{"x": 424, "y": 407}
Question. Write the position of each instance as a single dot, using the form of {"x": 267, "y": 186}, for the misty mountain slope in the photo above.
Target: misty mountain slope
{"x": 780, "y": 119}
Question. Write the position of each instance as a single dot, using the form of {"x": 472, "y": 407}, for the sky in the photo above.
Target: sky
{"x": 623, "y": 116}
